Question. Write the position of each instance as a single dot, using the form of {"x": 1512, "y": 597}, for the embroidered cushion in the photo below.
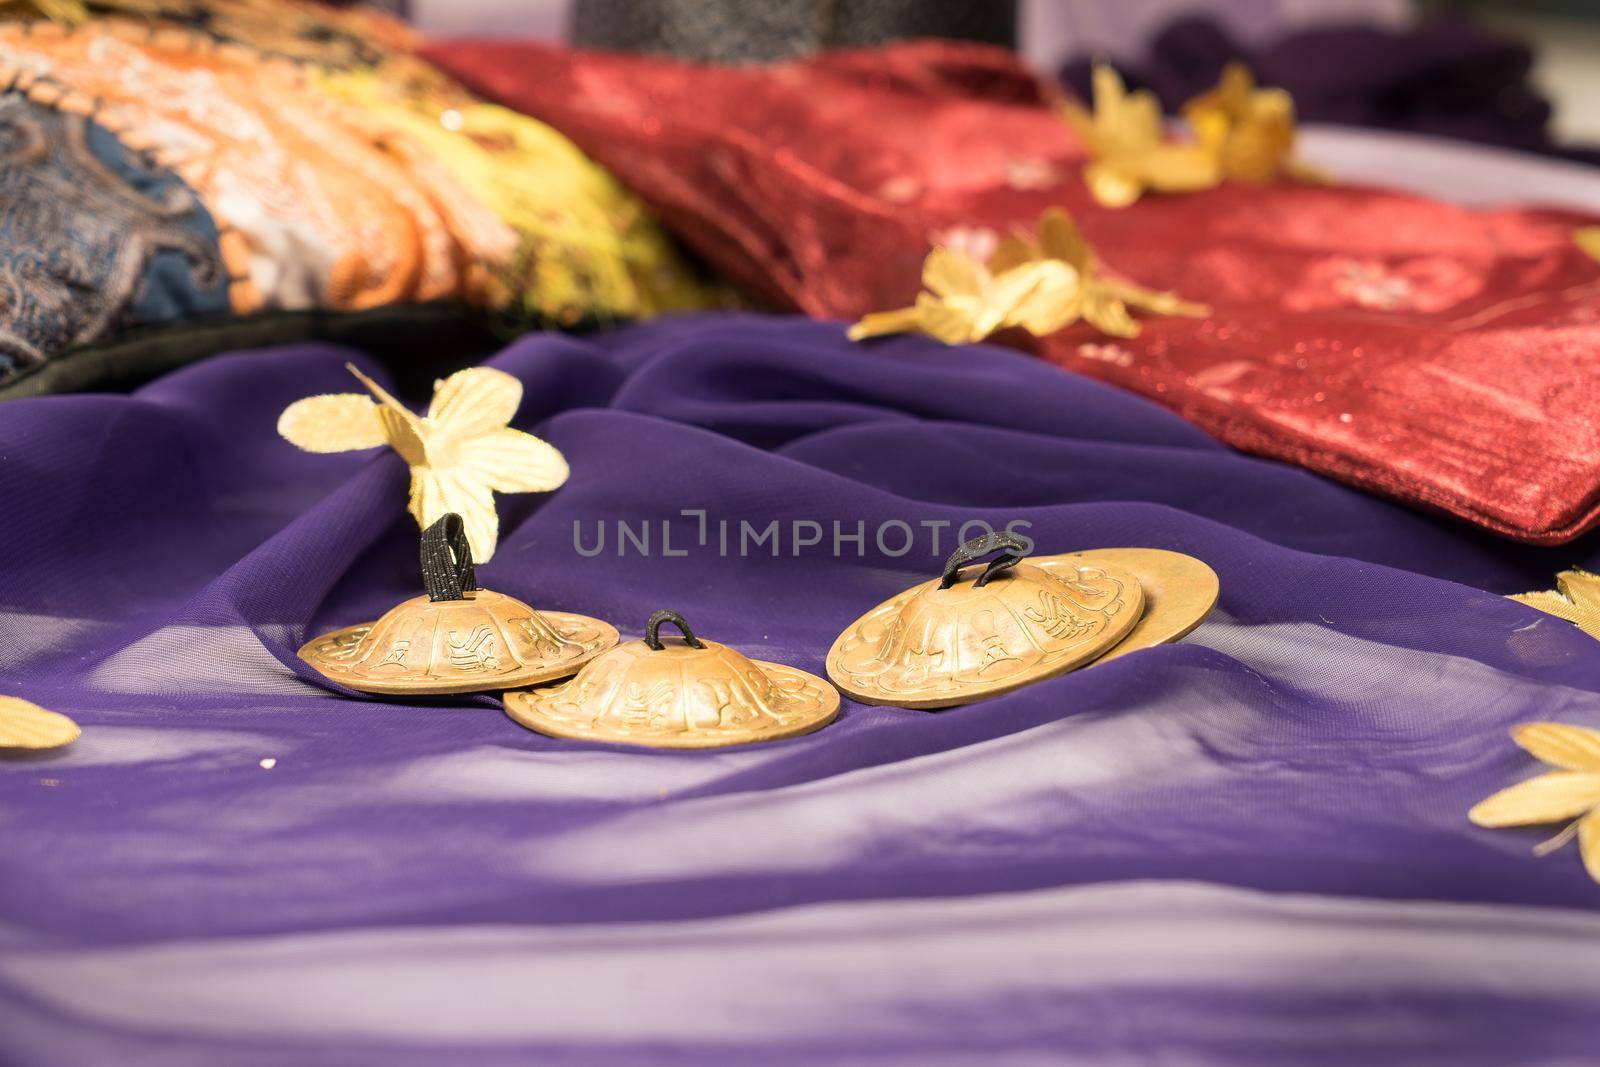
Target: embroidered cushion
{"x": 180, "y": 176}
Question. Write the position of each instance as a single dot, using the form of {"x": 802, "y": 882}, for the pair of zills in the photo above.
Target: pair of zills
{"x": 953, "y": 640}
{"x": 683, "y": 693}
{"x": 958, "y": 638}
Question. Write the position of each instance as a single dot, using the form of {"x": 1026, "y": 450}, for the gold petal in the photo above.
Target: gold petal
{"x": 1229, "y": 97}
{"x": 1576, "y": 599}
{"x": 1551, "y": 603}
{"x": 376, "y": 390}
{"x": 1173, "y": 304}
{"x": 1123, "y": 120}
{"x": 1258, "y": 150}
{"x": 1012, "y": 251}
{"x": 436, "y": 493}
{"x": 1580, "y": 587}
{"x": 475, "y": 400}
{"x": 1016, "y": 284}
{"x": 1161, "y": 303}
{"x": 1547, "y": 798}
{"x": 400, "y": 429}
{"x": 24, "y": 724}
{"x": 1112, "y": 186}
{"x": 1107, "y": 87}
{"x": 1311, "y": 174}
{"x": 332, "y": 422}
{"x": 1573, "y": 748}
{"x": 1119, "y": 120}
{"x": 510, "y": 461}
{"x": 1588, "y": 238}
{"x": 1139, "y": 120}
{"x": 1175, "y": 168}
{"x": 953, "y": 324}
{"x": 948, "y": 273}
{"x": 1107, "y": 314}
{"x": 1237, "y": 85}
{"x": 1053, "y": 301}
{"x": 1049, "y": 315}
{"x": 1589, "y": 843}
{"x": 1211, "y": 126}
{"x": 1059, "y": 238}
{"x": 880, "y": 323}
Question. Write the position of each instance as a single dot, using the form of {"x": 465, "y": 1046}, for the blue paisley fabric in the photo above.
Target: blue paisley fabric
{"x": 92, "y": 238}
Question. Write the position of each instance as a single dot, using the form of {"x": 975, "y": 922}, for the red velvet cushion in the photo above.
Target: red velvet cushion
{"x": 1440, "y": 355}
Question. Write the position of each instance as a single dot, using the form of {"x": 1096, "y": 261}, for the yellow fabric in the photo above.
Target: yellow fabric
{"x": 584, "y": 242}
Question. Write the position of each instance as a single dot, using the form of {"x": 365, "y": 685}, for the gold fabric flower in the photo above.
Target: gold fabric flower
{"x": 25, "y": 725}
{"x": 1250, "y": 130}
{"x": 1240, "y": 132}
{"x": 967, "y": 302}
{"x": 1103, "y": 301}
{"x": 1126, "y": 137}
{"x": 1041, "y": 284}
{"x": 1575, "y": 598}
{"x": 1572, "y": 792}
{"x": 460, "y": 454}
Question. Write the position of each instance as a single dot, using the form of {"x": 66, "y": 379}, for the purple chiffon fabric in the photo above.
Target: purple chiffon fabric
{"x": 1247, "y": 848}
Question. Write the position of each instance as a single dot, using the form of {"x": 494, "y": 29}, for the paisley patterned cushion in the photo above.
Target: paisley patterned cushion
{"x": 288, "y": 169}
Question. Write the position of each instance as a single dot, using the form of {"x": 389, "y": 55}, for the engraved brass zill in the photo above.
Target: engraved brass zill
{"x": 683, "y": 693}
{"x": 485, "y": 641}
{"x": 1179, "y": 592}
{"x": 963, "y": 638}
{"x": 457, "y": 638}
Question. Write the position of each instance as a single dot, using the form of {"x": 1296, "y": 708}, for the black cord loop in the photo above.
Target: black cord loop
{"x": 1014, "y": 548}
{"x": 652, "y": 631}
{"x": 447, "y": 560}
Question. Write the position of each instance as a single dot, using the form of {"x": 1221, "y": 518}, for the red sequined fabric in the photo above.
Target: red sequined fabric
{"x": 1443, "y": 356}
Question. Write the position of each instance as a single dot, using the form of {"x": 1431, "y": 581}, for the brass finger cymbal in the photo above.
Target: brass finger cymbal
{"x": 1179, "y": 592}
{"x": 684, "y": 693}
{"x": 957, "y": 639}
{"x": 456, "y": 638}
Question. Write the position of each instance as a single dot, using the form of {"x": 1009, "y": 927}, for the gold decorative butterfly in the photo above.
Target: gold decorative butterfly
{"x": 461, "y": 453}
{"x": 27, "y": 725}
{"x": 1572, "y": 792}
{"x": 1575, "y": 598}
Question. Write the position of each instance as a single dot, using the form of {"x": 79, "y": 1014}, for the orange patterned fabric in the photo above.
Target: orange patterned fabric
{"x": 314, "y": 211}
